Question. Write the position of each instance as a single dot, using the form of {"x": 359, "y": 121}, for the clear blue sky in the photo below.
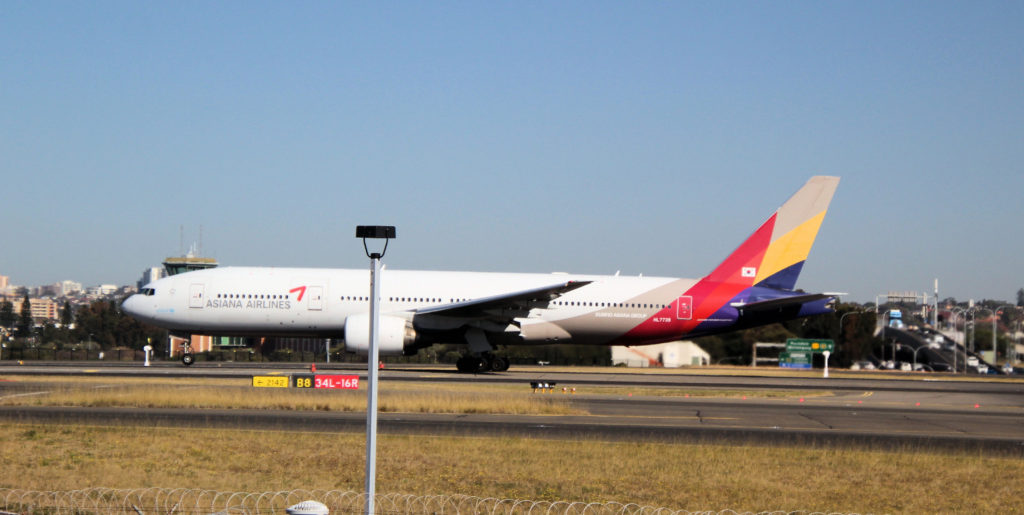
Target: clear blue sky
{"x": 589, "y": 137}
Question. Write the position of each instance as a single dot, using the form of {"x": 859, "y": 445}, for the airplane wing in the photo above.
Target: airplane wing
{"x": 781, "y": 302}
{"x": 505, "y": 306}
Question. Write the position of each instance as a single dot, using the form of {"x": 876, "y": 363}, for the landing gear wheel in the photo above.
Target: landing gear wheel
{"x": 468, "y": 364}
{"x": 499, "y": 364}
{"x": 187, "y": 359}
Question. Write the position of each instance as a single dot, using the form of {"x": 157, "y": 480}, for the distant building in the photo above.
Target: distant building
{"x": 6, "y": 288}
{"x": 294, "y": 344}
{"x": 42, "y": 309}
{"x": 152, "y": 274}
{"x": 203, "y": 343}
{"x": 669, "y": 355}
{"x": 69, "y": 288}
{"x": 51, "y": 290}
{"x": 102, "y": 290}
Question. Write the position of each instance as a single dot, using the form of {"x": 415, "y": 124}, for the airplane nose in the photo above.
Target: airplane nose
{"x": 134, "y": 306}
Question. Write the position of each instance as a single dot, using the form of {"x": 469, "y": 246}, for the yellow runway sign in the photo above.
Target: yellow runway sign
{"x": 270, "y": 381}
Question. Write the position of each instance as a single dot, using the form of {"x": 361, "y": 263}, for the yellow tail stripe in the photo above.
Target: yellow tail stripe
{"x": 790, "y": 248}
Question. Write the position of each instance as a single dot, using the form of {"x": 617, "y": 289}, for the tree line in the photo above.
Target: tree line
{"x": 100, "y": 325}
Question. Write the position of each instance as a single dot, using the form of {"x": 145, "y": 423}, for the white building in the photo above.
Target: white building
{"x": 151, "y": 274}
{"x": 68, "y": 288}
{"x": 669, "y": 355}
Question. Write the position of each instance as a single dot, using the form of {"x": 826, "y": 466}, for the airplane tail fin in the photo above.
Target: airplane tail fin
{"x": 774, "y": 255}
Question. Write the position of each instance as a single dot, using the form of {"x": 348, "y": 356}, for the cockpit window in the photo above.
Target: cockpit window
{"x": 149, "y": 292}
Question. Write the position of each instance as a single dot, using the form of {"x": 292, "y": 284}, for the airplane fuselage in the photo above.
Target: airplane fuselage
{"x": 316, "y": 302}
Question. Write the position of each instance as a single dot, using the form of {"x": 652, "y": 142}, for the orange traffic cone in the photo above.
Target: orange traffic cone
{"x": 312, "y": 367}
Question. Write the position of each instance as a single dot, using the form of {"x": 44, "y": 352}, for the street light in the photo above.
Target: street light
{"x": 919, "y": 347}
{"x": 974, "y": 318}
{"x": 995, "y": 320}
{"x": 844, "y": 315}
{"x": 377, "y": 232}
{"x": 1016, "y": 342}
{"x": 959, "y": 313}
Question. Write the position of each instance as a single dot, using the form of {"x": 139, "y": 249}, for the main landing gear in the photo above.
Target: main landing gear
{"x": 187, "y": 358}
{"x": 480, "y": 358}
{"x": 486, "y": 362}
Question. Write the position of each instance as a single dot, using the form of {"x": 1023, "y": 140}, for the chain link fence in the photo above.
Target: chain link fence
{"x": 193, "y": 501}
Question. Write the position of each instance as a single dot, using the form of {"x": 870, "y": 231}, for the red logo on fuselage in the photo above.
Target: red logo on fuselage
{"x": 301, "y": 290}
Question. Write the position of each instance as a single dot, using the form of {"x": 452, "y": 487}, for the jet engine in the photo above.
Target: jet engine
{"x": 395, "y": 334}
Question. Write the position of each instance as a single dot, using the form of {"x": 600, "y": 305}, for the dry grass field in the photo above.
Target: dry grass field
{"x": 676, "y": 475}
{"x": 682, "y": 476}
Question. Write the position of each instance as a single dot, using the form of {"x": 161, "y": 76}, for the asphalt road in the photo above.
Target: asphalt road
{"x": 884, "y": 411}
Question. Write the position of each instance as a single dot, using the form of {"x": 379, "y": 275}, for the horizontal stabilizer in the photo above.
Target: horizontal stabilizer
{"x": 781, "y": 302}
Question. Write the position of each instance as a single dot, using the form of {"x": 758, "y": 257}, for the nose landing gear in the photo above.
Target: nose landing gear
{"x": 187, "y": 358}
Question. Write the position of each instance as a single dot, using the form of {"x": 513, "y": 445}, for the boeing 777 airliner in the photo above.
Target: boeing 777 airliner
{"x": 753, "y": 286}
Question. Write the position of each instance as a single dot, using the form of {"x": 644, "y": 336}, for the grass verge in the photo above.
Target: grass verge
{"x": 236, "y": 394}
{"x": 681, "y": 476}
{"x": 396, "y": 396}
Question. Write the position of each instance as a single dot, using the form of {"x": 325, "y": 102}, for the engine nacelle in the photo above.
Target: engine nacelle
{"x": 395, "y": 334}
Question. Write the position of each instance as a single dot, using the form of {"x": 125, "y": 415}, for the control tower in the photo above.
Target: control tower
{"x": 188, "y": 263}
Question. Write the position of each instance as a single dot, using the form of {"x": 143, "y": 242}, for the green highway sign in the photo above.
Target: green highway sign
{"x": 808, "y": 345}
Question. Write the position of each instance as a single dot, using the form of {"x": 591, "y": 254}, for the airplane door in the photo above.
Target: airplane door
{"x": 316, "y": 298}
{"x": 195, "y": 296}
{"x": 684, "y": 308}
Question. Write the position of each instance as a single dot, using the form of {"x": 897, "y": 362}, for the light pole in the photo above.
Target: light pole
{"x": 974, "y": 318}
{"x": 879, "y": 316}
{"x": 995, "y": 320}
{"x": 929, "y": 346}
{"x": 1016, "y": 342}
{"x": 848, "y": 313}
{"x": 384, "y": 232}
{"x": 959, "y": 313}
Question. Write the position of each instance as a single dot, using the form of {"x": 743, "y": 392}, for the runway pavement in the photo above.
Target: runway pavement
{"x": 876, "y": 411}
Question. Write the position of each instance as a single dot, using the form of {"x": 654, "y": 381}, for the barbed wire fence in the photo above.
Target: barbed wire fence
{"x": 149, "y": 501}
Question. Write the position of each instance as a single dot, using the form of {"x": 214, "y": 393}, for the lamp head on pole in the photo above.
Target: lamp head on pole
{"x": 376, "y": 232}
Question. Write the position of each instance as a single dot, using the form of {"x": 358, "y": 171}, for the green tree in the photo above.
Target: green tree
{"x": 856, "y": 338}
{"x": 48, "y": 333}
{"x": 67, "y": 317}
{"x": 7, "y": 317}
{"x": 25, "y": 322}
{"x": 104, "y": 323}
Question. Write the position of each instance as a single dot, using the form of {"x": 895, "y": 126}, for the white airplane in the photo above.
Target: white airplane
{"x": 753, "y": 286}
